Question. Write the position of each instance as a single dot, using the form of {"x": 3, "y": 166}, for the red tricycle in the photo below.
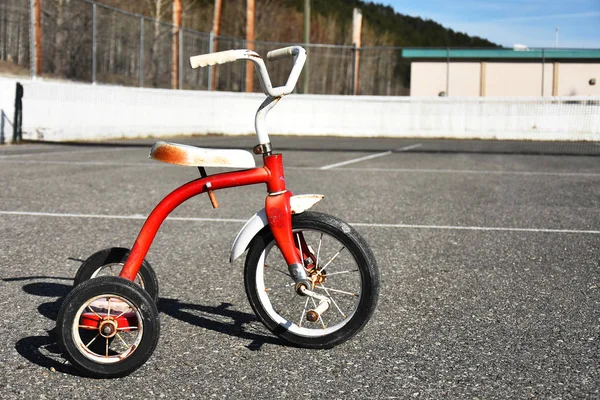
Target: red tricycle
{"x": 309, "y": 277}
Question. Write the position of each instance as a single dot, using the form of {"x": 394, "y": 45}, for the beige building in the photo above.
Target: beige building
{"x": 503, "y": 72}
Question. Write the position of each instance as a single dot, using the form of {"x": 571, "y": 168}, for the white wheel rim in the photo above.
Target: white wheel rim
{"x": 297, "y": 324}
{"x": 114, "y": 269}
{"x": 128, "y": 339}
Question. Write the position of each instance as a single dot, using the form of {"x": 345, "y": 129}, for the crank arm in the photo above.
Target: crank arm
{"x": 324, "y": 302}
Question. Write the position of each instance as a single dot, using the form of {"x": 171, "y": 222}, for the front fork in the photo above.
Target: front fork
{"x": 279, "y": 215}
{"x": 295, "y": 251}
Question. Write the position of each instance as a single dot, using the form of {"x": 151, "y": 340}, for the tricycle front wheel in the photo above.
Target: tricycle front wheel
{"x": 339, "y": 263}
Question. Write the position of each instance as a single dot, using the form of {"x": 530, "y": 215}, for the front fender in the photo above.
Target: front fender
{"x": 298, "y": 204}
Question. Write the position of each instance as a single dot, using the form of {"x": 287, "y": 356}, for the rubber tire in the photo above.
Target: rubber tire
{"x": 116, "y": 286}
{"x": 363, "y": 255}
{"x": 115, "y": 255}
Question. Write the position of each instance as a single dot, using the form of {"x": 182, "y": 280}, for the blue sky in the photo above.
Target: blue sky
{"x": 529, "y": 22}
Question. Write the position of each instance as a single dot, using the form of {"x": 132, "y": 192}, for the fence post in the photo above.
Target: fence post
{"x": 354, "y": 72}
{"x": 211, "y": 38}
{"x": 141, "y": 52}
{"x": 94, "y": 43}
{"x": 18, "y": 118}
{"x": 2, "y": 116}
{"x": 306, "y": 71}
{"x": 447, "y": 71}
{"x": 180, "y": 58}
{"x": 32, "y": 55}
{"x": 543, "y": 70}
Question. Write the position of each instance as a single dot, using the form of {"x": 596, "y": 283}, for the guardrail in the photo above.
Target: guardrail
{"x": 61, "y": 111}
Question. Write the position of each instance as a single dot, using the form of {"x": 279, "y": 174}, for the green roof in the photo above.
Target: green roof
{"x": 582, "y": 54}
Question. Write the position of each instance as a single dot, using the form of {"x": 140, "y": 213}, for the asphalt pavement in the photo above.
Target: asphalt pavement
{"x": 489, "y": 264}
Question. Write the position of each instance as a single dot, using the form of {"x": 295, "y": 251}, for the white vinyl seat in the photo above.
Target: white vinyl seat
{"x": 192, "y": 156}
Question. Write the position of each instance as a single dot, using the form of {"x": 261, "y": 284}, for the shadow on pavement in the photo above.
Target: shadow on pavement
{"x": 46, "y": 352}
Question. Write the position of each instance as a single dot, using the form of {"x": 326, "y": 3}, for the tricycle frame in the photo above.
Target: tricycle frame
{"x": 277, "y": 207}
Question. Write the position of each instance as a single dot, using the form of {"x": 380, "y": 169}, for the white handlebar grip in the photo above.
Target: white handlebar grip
{"x": 220, "y": 57}
{"x": 280, "y": 53}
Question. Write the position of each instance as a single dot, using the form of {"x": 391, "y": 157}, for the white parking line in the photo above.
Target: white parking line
{"x": 355, "y": 160}
{"x": 361, "y": 224}
{"x": 105, "y": 149}
{"x": 107, "y": 216}
{"x": 369, "y": 157}
{"x": 476, "y": 228}
{"x": 468, "y": 171}
{"x": 150, "y": 163}
{"x": 92, "y": 163}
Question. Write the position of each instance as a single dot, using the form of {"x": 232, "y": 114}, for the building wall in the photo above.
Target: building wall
{"x": 465, "y": 79}
{"x": 574, "y": 79}
{"x": 513, "y": 79}
{"x": 427, "y": 78}
{"x": 504, "y": 79}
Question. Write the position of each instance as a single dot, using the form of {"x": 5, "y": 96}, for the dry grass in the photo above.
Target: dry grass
{"x": 10, "y": 68}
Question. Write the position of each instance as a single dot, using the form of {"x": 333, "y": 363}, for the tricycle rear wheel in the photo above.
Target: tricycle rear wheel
{"x": 109, "y": 262}
{"x": 108, "y": 327}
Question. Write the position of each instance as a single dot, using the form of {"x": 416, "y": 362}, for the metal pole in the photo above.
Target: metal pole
{"x": 447, "y": 71}
{"x": 356, "y": 39}
{"x": 141, "y": 51}
{"x": 2, "y": 116}
{"x": 94, "y": 43}
{"x": 214, "y": 42}
{"x": 354, "y": 69}
{"x": 38, "y": 36}
{"x": 180, "y": 72}
{"x": 250, "y": 6}
{"x": 32, "y": 54}
{"x": 543, "y": 68}
{"x": 306, "y": 81}
{"x": 211, "y": 37}
{"x": 175, "y": 44}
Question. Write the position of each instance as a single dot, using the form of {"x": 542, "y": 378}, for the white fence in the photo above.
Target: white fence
{"x": 62, "y": 111}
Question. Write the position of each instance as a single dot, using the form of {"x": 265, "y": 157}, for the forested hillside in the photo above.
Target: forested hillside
{"x": 131, "y": 42}
{"x": 331, "y": 22}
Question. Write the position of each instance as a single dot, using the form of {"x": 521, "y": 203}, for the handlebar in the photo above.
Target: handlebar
{"x": 220, "y": 57}
{"x": 226, "y": 56}
{"x": 282, "y": 53}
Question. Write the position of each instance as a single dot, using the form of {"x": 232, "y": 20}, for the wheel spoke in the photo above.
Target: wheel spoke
{"x": 320, "y": 316}
{"x": 111, "y": 270}
{"x": 341, "y": 272}
{"x": 108, "y": 311}
{"x": 338, "y": 291}
{"x": 122, "y": 341}
{"x": 120, "y": 315}
{"x": 334, "y": 302}
{"x": 331, "y": 260}
{"x": 128, "y": 328}
{"x": 300, "y": 247}
{"x": 92, "y": 341}
{"x": 303, "y": 312}
{"x": 86, "y": 327}
{"x": 92, "y": 310}
{"x": 319, "y": 251}
{"x": 107, "y": 347}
